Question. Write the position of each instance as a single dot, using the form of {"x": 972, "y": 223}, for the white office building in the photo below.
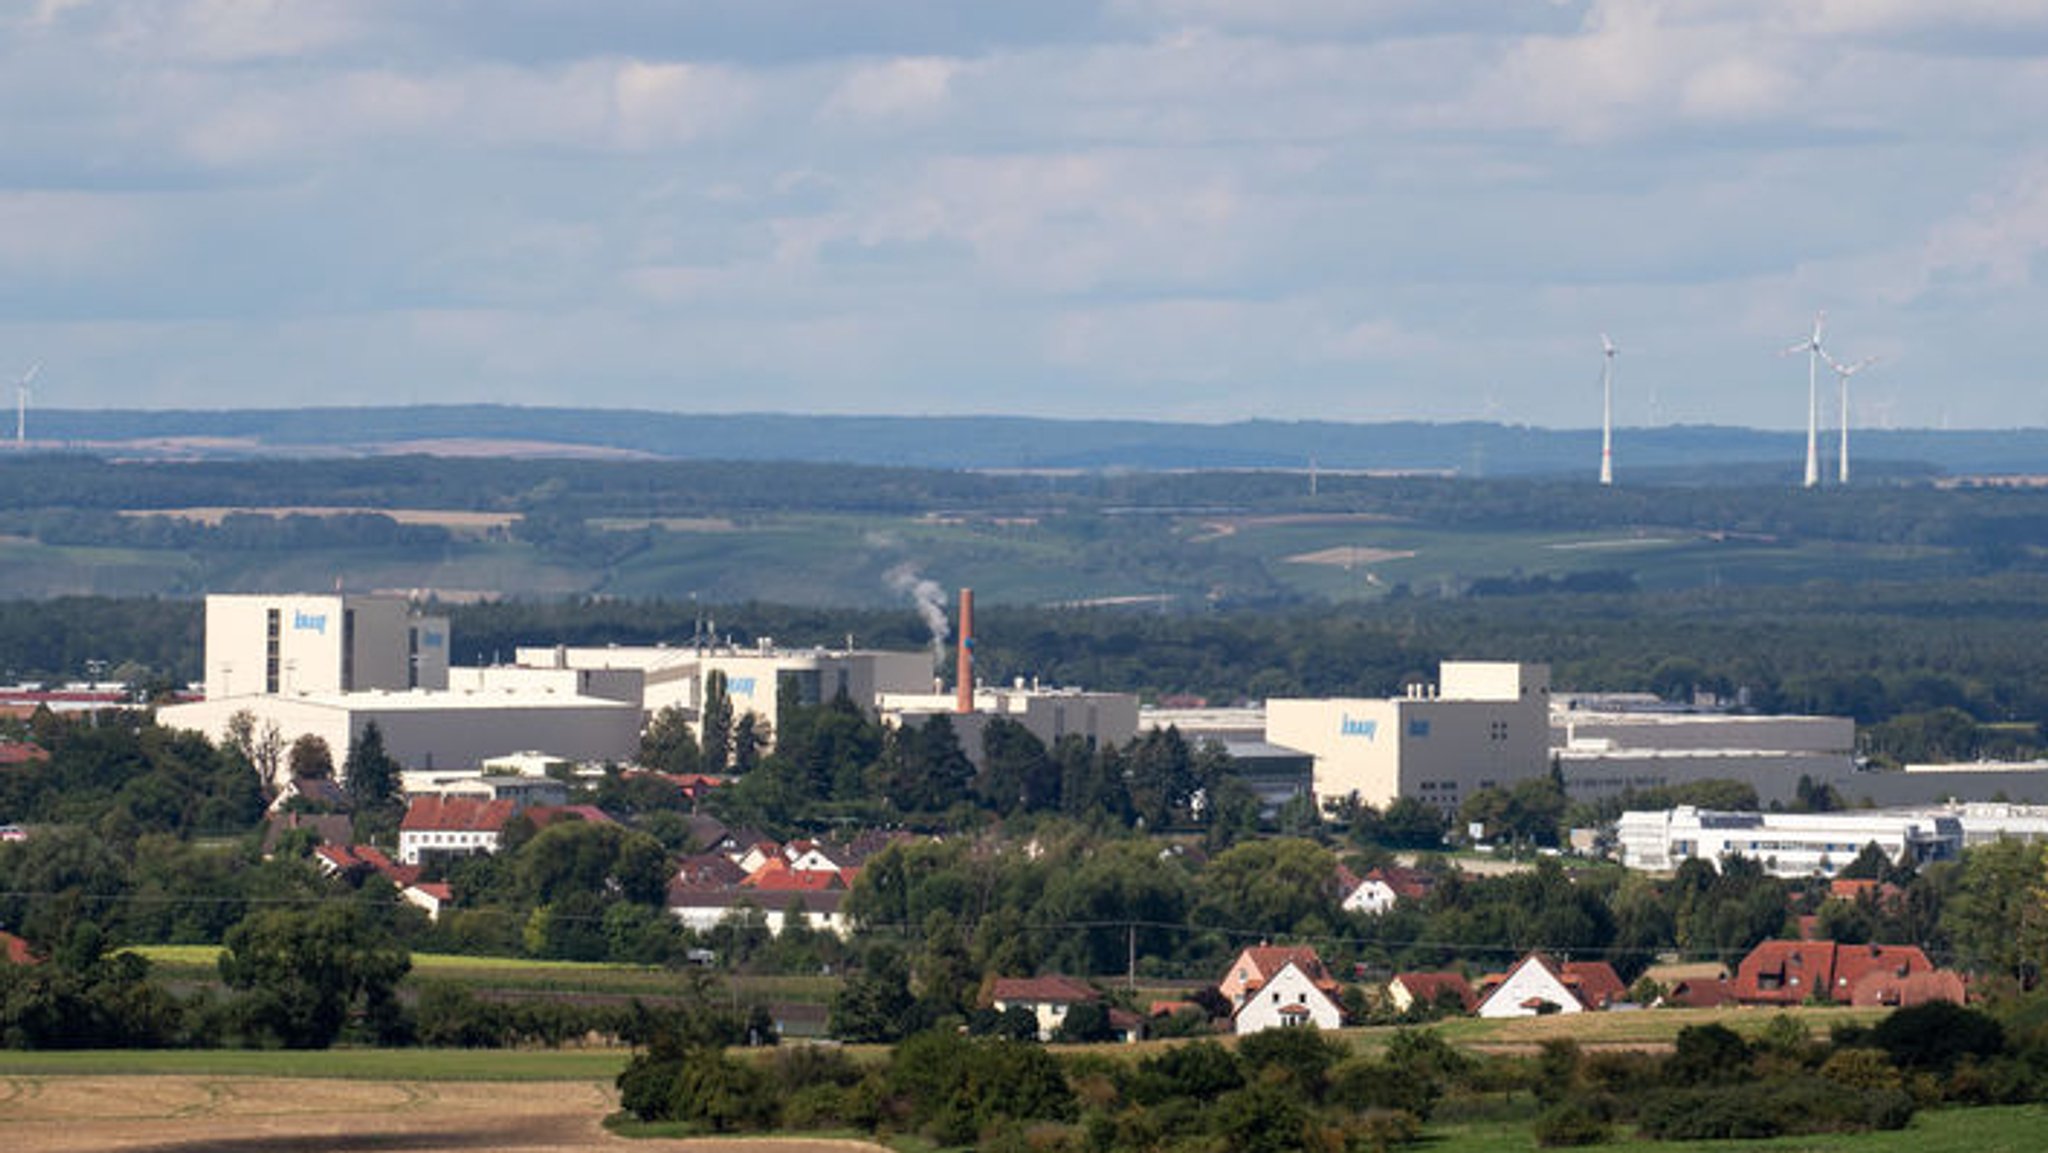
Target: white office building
{"x": 755, "y": 677}
{"x": 1786, "y": 844}
{"x": 1484, "y": 725}
{"x": 267, "y": 645}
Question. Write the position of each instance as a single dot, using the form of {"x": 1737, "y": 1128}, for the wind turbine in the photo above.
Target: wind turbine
{"x": 1811, "y": 347}
{"x": 21, "y": 404}
{"x": 1607, "y": 411}
{"x": 1843, "y": 372}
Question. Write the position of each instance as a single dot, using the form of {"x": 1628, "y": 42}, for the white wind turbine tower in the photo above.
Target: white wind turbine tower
{"x": 21, "y": 404}
{"x": 1842, "y": 373}
{"x": 1607, "y": 411}
{"x": 1811, "y": 347}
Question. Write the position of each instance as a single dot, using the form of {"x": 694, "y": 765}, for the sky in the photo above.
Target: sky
{"x": 1190, "y": 210}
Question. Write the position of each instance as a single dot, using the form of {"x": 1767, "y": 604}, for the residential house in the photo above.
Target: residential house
{"x": 1700, "y": 993}
{"x": 16, "y": 951}
{"x": 18, "y": 754}
{"x": 432, "y": 896}
{"x": 1537, "y": 985}
{"x": 703, "y": 908}
{"x": 1380, "y": 889}
{"x": 321, "y": 794}
{"x": 454, "y": 826}
{"x": 1795, "y": 972}
{"x": 1259, "y": 964}
{"x": 327, "y": 829}
{"x": 1049, "y": 999}
{"x": 1290, "y": 998}
{"x": 1428, "y": 990}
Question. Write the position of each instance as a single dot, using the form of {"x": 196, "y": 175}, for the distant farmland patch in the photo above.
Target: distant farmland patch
{"x": 665, "y": 523}
{"x": 1351, "y": 556}
{"x": 464, "y": 522}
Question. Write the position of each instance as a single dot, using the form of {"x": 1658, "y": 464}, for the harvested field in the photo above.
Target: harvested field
{"x": 455, "y": 520}
{"x": 1351, "y": 557}
{"x": 190, "y": 1114}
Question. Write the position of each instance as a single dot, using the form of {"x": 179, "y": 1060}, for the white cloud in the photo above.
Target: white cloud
{"x": 910, "y": 87}
{"x": 1156, "y": 206}
{"x": 1996, "y": 242}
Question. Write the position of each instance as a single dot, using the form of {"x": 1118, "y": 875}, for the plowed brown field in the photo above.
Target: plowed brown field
{"x": 188, "y": 1114}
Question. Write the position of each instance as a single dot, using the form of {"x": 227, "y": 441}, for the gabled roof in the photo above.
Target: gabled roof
{"x": 16, "y": 951}
{"x": 1702, "y": 993}
{"x": 1261, "y": 962}
{"x": 1407, "y": 884}
{"x": 713, "y": 870}
{"x": 1429, "y": 987}
{"x": 777, "y": 876}
{"x": 1788, "y": 972}
{"x": 1595, "y": 982}
{"x": 15, "y": 754}
{"x": 1914, "y": 989}
{"x": 544, "y": 815}
{"x": 432, "y": 813}
{"x": 1042, "y": 990}
{"x": 1570, "y": 986}
{"x": 330, "y": 828}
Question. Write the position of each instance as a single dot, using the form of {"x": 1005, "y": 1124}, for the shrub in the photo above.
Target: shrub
{"x": 1769, "y": 1109}
{"x": 1569, "y": 1124}
{"x": 1936, "y": 1035}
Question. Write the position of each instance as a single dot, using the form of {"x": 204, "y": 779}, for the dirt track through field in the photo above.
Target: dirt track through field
{"x": 186, "y": 1114}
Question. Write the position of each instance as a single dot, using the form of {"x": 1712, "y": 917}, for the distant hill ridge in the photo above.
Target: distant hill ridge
{"x": 1010, "y": 442}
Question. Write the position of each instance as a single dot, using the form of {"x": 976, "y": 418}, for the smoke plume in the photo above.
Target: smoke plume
{"x": 929, "y": 598}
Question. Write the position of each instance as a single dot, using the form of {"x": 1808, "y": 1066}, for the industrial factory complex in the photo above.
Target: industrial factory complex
{"x": 332, "y": 665}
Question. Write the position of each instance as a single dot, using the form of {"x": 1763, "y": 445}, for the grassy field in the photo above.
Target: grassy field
{"x": 597, "y": 1064}
{"x": 199, "y": 963}
{"x": 2014, "y": 1129}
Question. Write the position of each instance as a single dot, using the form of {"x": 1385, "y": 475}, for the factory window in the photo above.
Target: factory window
{"x": 1498, "y": 731}
{"x": 348, "y": 650}
{"x": 412, "y": 658}
{"x": 273, "y": 627}
{"x": 1418, "y": 727}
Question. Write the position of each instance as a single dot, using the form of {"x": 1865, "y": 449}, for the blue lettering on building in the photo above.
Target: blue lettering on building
{"x": 1419, "y": 727}
{"x": 1352, "y": 726}
{"x": 306, "y": 622}
{"x": 740, "y": 686}
{"x": 431, "y": 640}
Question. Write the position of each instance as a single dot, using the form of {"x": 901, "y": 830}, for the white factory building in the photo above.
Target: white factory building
{"x": 1051, "y": 714}
{"x": 330, "y": 666}
{"x": 1786, "y": 844}
{"x": 267, "y": 645}
{"x": 755, "y": 676}
{"x": 1605, "y": 745}
{"x": 1484, "y": 725}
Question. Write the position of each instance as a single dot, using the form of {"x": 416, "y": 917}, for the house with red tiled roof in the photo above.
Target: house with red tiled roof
{"x": 15, "y": 951}
{"x": 456, "y": 826}
{"x": 1700, "y": 993}
{"x": 1290, "y": 998}
{"x": 544, "y": 815}
{"x": 1597, "y": 984}
{"x": 708, "y": 871}
{"x": 432, "y": 896}
{"x": 1260, "y": 963}
{"x": 1538, "y": 985}
{"x": 778, "y": 876}
{"x": 1793, "y": 972}
{"x": 17, "y": 754}
{"x": 1408, "y": 990}
{"x": 1381, "y": 889}
{"x": 1048, "y": 998}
